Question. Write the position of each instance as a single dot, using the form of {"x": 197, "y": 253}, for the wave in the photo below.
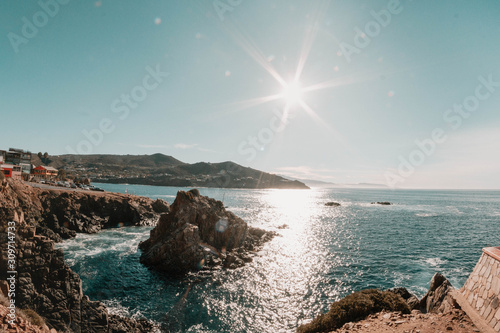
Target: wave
{"x": 426, "y": 214}
{"x": 435, "y": 262}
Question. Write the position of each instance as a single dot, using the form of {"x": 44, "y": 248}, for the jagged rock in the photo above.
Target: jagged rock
{"x": 65, "y": 213}
{"x": 332, "y": 204}
{"x": 46, "y": 284}
{"x": 410, "y": 299}
{"x": 160, "y": 206}
{"x": 439, "y": 298}
{"x": 198, "y": 230}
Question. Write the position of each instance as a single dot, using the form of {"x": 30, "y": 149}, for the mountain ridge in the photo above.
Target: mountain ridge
{"x": 164, "y": 170}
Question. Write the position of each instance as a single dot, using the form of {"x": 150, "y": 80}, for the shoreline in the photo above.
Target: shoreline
{"x": 104, "y": 194}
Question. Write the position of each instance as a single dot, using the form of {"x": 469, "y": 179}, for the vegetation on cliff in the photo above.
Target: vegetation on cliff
{"x": 355, "y": 307}
{"x": 163, "y": 170}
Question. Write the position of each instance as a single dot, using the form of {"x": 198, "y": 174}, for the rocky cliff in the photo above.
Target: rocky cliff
{"x": 367, "y": 303}
{"x": 45, "y": 283}
{"x": 198, "y": 232}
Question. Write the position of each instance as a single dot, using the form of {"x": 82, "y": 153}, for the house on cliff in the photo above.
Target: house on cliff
{"x": 11, "y": 171}
{"x": 45, "y": 172}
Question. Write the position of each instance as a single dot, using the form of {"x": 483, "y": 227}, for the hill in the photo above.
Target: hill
{"x": 163, "y": 170}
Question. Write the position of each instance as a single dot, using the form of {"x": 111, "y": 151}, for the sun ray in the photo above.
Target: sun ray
{"x": 339, "y": 82}
{"x": 245, "y": 104}
{"x": 247, "y": 44}
{"x": 337, "y": 135}
{"x": 313, "y": 114}
{"x": 310, "y": 37}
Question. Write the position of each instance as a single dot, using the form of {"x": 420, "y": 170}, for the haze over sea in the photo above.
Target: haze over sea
{"x": 321, "y": 255}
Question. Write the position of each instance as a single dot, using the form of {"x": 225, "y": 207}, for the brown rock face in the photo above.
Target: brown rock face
{"x": 45, "y": 284}
{"x": 60, "y": 214}
{"x": 199, "y": 231}
{"x": 439, "y": 298}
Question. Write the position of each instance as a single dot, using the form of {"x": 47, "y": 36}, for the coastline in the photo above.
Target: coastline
{"x": 46, "y": 284}
{"x": 106, "y": 194}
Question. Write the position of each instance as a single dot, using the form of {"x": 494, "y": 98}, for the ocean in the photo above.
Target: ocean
{"x": 320, "y": 255}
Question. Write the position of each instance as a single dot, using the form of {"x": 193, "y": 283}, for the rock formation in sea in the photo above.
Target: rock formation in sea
{"x": 198, "y": 231}
{"x": 46, "y": 284}
{"x": 332, "y": 204}
{"x": 383, "y": 203}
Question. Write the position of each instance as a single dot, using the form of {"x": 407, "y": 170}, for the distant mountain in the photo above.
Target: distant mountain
{"x": 323, "y": 184}
{"x": 163, "y": 170}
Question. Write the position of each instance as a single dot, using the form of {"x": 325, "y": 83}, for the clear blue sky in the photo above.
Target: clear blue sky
{"x": 363, "y": 98}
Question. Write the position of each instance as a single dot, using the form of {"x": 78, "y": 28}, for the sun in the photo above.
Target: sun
{"x": 292, "y": 93}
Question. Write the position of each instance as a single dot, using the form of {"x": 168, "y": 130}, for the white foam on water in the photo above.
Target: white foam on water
{"x": 116, "y": 308}
{"x": 435, "y": 262}
{"x": 426, "y": 214}
{"x": 199, "y": 328}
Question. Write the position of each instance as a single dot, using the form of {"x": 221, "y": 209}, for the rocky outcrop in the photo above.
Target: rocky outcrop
{"x": 45, "y": 283}
{"x": 60, "y": 214}
{"x": 439, "y": 297}
{"x": 354, "y": 307}
{"x": 383, "y": 203}
{"x": 21, "y": 323}
{"x": 410, "y": 299}
{"x": 49, "y": 287}
{"x": 456, "y": 321}
{"x": 199, "y": 232}
{"x": 360, "y": 305}
{"x": 332, "y": 204}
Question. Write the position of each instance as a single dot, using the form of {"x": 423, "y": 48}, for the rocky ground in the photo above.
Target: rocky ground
{"x": 45, "y": 283}
{"x": 416, "y": 322}
{"x": 60, "y": 214}
{"x": 375, "y": 311}
{"x": 20, "y": 325}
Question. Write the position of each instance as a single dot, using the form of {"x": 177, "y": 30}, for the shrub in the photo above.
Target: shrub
{"x": 355, "y": 307}
{"x": 33, "y": 317}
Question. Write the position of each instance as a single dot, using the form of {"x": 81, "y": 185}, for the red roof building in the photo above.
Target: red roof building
{"x": 45, "y": 172}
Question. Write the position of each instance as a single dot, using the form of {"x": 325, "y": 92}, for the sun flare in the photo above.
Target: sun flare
{"x": 292, "y": 93}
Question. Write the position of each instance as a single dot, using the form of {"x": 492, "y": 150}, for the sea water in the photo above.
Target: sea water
{"x": 320, "y": 255}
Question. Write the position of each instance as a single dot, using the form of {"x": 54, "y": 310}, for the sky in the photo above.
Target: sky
{"x": 402, "y": 93}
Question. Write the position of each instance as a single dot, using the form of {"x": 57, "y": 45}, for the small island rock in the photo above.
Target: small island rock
{"x": 198, "y": 231}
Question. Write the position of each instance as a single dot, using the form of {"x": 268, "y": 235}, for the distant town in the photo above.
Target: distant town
{"x": 17, "y": 164}
{"x": 156, "y": 169}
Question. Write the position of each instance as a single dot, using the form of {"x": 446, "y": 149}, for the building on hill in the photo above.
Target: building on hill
{"x": 11, "y": 171}
{"x": 45, "y": 172}
{"x": 18, "y": 157}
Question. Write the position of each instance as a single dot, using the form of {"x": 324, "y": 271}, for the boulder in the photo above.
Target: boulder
{"x": 160, "y": 206}
{"x": 332, "y": 204}
{"x": 199, "y": 231}
{"x": 410, "y": 299}
{"x": 439, "y": 298}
